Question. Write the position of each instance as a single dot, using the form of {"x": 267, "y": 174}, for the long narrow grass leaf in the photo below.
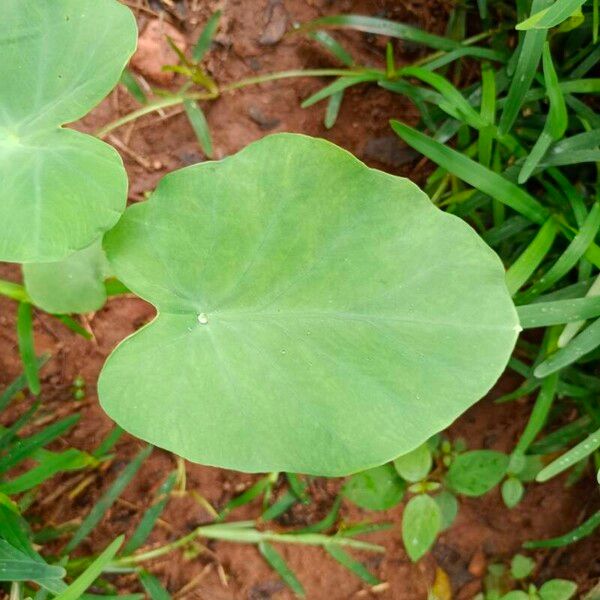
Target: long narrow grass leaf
{"x": 544, "y": 314}
{"x": 539, "y": 414}
{"x": 529, "y": 58}
{"x": 146, "y": 525}
{"x": 87, "y": 578}
{"x": 582, "y": 450}
{"x": 278, "y": 563}
{"x": 575, "y": 250}
{"x": 586, "y": 528}
{"x": 552, "y": 16}
{"x": 381, "y": 27}
{"x": 474, "y": 174}
{"x": 153, "y": 587}
{"x": 199, "y": 124}
{"x": 531, "y": 258}
{"x": 332, "y": 46}
{"x": 18, "y": 566}
{"x": 107, "y": 499}
{"x": 556, "y": 121}
{"x": 585, "y": 342}
{"x": 353, "y": 565}
{"x": 25, "y": 447}
{"x": 26, "y": 346}
{"x": 333, "y": 109}
{"x": 206, "y": 36}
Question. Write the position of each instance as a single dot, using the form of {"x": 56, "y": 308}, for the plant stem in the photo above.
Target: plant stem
{"x": 295, "y": 73}
{"x": 242, "y": 532}
{"x": 180, "y": 97}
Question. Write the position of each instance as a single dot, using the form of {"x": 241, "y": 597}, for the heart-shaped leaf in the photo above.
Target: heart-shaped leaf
{"x": 315, "y": 315}
{"x": 61, "y": 189}
{"x": 72, "y": 285}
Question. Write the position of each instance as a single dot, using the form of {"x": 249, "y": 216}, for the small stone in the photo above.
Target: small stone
{"x": 276, "y": 26}
{"x": 478, "y": 564}
{"x": 389, "y": 151}
{"x": 263, "y": 121}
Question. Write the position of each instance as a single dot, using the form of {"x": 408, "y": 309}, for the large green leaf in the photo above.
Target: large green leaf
{"x": 72, "y": 285}
{"x": 315, "y": 315}
{"x": 61, "y": 189}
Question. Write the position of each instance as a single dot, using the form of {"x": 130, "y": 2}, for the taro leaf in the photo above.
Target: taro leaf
{"x": 61, "y": 189}
{"x": 375, "y": 489}
{"x": 72, "y": 285}
{"x": 315, "y": 316}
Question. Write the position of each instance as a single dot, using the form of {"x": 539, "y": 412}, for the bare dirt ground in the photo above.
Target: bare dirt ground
{"x": 251, "y": 42}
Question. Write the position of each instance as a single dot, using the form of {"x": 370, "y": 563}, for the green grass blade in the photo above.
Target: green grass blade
{"x": 87, "y": 578}
{"x": 455, "y": 104}
{"x": 579, "y": 452}
{"x": 560, "y": 11}
{"x": 18, "y": 566}
{"x": 586, "y": 528}
{"x": 531, "y": 258}
{"x": 7, "y": 435}
{"x": 26, "y": 346}
{"x": 333, "y": 109}
{"x": 570, "y": 257}
{"x": 73, "y": 325}
{"x": 529, "y": 58}
{"x": 133, "y": 87}
{"x": 472, "y": 51}
{"x": 556, "y": 121}
{"x": 337, "y": 86}
{"x": 353, "y": 565}
{"x": 107, "y": 499}
{"x": 109, "y": 442}
{"x": 539, "y": 414}
{"x": 332, "y": 46}
{"x": 246, "y": 497}
{"x": 153, "y": 587}
{"x": 280, "y": 506}
{"x": 585, "y": 342}
{"x": 50, "y": 465}
{"x": 199, "y": 124}
{"x": 474, "y": 174}
{"x": 488, "y": 115}
{"x": 206, "y": 36}
{"x": 572, "y": 329}
{"x": 146, "y": 525}
{"x": 276, "y": 561}
{"x": 19, "y": 383}
{"x": 544, "y": 314}
{"x": 25, "y": 447}
{"x": 327, "y": 522}
{"x": 381, "y": 27}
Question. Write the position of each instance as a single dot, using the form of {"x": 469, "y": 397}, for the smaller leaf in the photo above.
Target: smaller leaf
{"x": 133, "y": 87}
{"x": 17, "y": 566}
{"x": 448, "y": 504}
{"x": 26, "y": 346}
{"x": 415, "y": 465}
{"x": 199, "y": 125}
{"x": 476, "y": 472}
{"x": 558, "y": 589}
{"x": 333, "y": 46}
{"x": 421, "y": 522}
{"x": 153, "y": 587}
{"x": 512, "y": 491}
{"x": 352, "y": 565}
{"x": 276, "y": 561}
{"x": 521, "y": 566}
{"x": 206, "y": 37}
{"x": 442, "y": 587}
{"x": 560, "y": 11}
{"x": 87, "y": 578}
{"x": 375, "y": 489}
